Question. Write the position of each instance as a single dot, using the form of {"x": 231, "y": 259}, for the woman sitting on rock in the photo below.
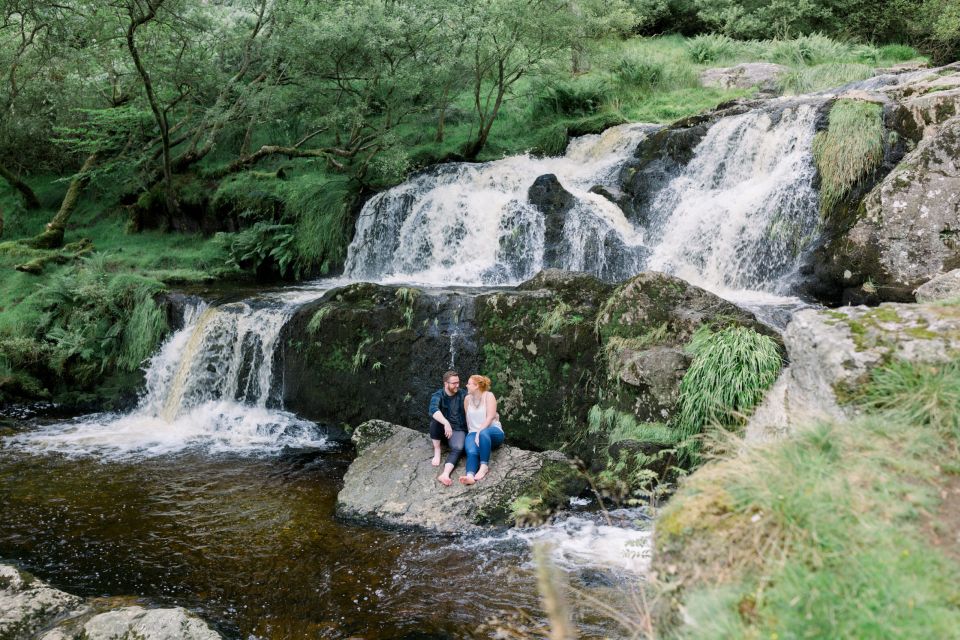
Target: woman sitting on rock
{"x": 483, "y": 425}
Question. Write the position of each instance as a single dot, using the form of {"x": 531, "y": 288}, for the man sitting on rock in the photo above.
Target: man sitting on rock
{"x": 448, "y": 422}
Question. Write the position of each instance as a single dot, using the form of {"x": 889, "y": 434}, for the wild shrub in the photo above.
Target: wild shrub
{"x": 823, "y": 76}
{"x": 730, "y": 372}
{"x": 634, "y": 71}
{"x": 898, "y": 52}
{"x": 711, "y": 47}
{"x": 93, "y": 320}
{"x": 267, "y": 250}
{"x": 924, "y": 395}
{"x": 849, "y": 150}
{"x": 322, "y": 209}
{"x": 573, "y": 98}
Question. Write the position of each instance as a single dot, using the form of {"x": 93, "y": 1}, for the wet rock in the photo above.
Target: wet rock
{"x": 392, "y": 483}
{"x": 645, "y": 325}
{"x": 942, "y": 287}
{"x": 548, "y": 195}
{"x": 832, "y": 353}
{"x": 29, "y": 605}
{"x": 908, "y": 228}
{"x": 763, "y": 75}
{"x": 369, "y": 351}
{"x": 29, "y": 608}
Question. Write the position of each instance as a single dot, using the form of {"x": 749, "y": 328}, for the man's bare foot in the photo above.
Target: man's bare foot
{"x": 484, "y": 470}
{"x": 467, "y": 480}
{"x": 444, "y": 480}
{"x": 436, "y": 459}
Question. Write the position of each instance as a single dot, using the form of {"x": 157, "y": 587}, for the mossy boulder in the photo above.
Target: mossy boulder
{"x": 369, "y": 351}
{"x": 908, "y": 227}
{"x": 538, "y": 345}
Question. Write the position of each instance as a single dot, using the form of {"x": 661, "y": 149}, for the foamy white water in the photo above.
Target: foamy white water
{"x": 743, "y": 210}
{"x": 211, "y": 386}
{"x": 584, "y": 541}
{"x": 472, "y": 223}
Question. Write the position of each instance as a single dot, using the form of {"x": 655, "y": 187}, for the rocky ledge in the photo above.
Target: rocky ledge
{"x": 392, "y": 483}
{"x": 832, "y": 354}
{"x": 30, "y": 608}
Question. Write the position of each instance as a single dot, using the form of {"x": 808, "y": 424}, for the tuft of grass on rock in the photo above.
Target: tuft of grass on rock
{"x": 730, "y": 372}
{"x": 850, "y": 149}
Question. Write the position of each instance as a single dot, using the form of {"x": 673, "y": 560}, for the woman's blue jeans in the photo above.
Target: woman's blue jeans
{"x": 490, "y": 439}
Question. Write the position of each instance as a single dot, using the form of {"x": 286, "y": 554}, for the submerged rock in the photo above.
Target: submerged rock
{"x": 30, "y": 608}
{"x": 392, "y": 483}
{"x": 832, "y": 354}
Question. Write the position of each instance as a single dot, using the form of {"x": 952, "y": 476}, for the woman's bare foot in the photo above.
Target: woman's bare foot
{"x": 468, "y": 479}
{"x": 436, "y": 459}
{"x": 444, "y": 480}
{"x": 484, "y": 470}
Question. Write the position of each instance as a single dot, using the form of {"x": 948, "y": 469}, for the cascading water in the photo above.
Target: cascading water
{"x": 743, "y": 210}
{"x": 472, "y": 223}
{"x": 211, "y": 385}
{"x": 737, "y": 217}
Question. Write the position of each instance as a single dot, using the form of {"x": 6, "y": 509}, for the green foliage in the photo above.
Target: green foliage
{"x": 849, "y": 150}
{"x": 711, "y": 47}
{"x": 264, "y": 249}
{"x": 633, "y": 71}
{"x": 730, "y": 372}
{"x": 580, "y": 97}
{"x": 823, "y": 76}
{"x": 923, "y": 395}
{"x": 94, "y": 321}
{"x": 827, "y": 532}
{"x": 614, "y": 426}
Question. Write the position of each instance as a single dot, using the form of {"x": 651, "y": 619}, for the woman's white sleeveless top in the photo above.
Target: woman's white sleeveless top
{"x": 476, "y": 416}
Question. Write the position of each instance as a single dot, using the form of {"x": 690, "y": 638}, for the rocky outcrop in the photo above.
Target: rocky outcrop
{"x": 908, "y": 229}
{"x": 30, "y": 608}
{"x": 898, "y": 227}
{"x": 832, "y": 354}
{"x": 391, "y": 482}
{"x": 945, "y": 287}
{"x": 554, "y": 347}
{"x": 763, "y": 75}
{"x": 554, "y": 202}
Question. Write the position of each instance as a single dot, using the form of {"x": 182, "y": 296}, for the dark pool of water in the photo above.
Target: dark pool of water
{"x": 252, "y": 546}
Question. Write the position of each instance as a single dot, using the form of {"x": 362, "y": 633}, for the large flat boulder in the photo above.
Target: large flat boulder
{"x": 392, "y": 483}
{"x": 832, "y": 354}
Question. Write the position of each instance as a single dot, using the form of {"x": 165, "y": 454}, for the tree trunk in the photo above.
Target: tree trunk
{"x": 29, "y": 196}
{"x": 52, "y": 236}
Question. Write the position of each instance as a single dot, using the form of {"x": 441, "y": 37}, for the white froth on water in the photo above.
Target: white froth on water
{"x": 211, "y": 386}
{"x": 472, "y": 223}
{"x": 743, "y": 210}
{"x": 213, "y": 427}
{"x": 622, "y": 547}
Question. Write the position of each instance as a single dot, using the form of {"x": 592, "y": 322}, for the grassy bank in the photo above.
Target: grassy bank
{"x": 841, "y": 531}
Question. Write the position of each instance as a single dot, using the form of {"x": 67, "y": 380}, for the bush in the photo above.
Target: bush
{"x": 849, "y": 150}
{"x": 573, "y": 98}
{"x": 823, "y": 76}
{"x": 898, "y": 53}
{"x": 95, "y": 321}
{"x": 632, "y": 71}
{"x": 730, "y": 372}
{"x": 711, "y": 47}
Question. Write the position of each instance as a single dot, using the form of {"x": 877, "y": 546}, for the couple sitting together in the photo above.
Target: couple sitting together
{"x": 468, "y": 421}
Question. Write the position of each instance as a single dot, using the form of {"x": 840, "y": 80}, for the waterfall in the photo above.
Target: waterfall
{"x": 472, "y": 223}
{"x": 744, "y": 208}
{"x": 738, "y": 216}
{"x": 211, "y": 385}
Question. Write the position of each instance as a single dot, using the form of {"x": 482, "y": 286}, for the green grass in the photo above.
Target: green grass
{"x": 849, "y": 150}
{"x": 825, "y": 534}
{"x": 730, "y": 372}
